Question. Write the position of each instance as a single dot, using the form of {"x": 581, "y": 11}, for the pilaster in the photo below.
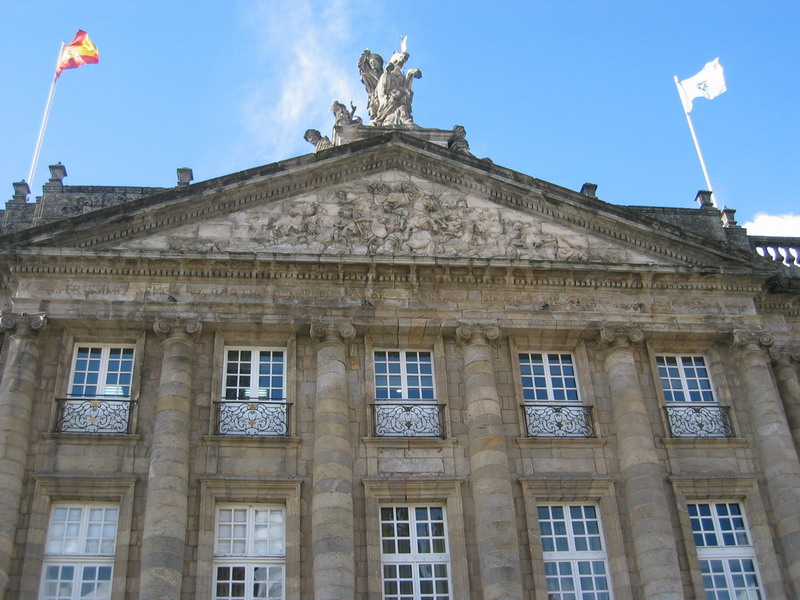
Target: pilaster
{"x": 165, "y": 515}
{"x": 785, "y": 362}
{"x": 648, "y": 507}
{"x": 774, "y": 443}
{"x": 20, "y": 376}
{"x": 490, "y": 479}
{"x": 332, "y": 533}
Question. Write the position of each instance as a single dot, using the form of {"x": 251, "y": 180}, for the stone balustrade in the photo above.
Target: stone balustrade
{"x": 780, "y": 249}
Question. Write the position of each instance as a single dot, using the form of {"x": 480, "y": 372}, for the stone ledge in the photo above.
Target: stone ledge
{"x": 246, "y": 441}
{"x": 704, "y": 443}
{"x": 409, "y": 442}
{"x": 94, "y": 439}
{"x": 560, "y": 442}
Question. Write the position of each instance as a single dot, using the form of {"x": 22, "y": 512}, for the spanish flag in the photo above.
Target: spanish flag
{"x": 80, "y": 52}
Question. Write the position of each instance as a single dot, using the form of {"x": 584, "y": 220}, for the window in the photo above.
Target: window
{"x": 99, "y": 398}
{"x": 727, "y": 558}
{"x": 415, "y": 561}
{"x": 79, "y": 553}
{"x": 249, "y": 552}
{"x": 405, "y": 394}
{"x": 691, "y": 408}
{"x": 254, "y": 393}
{"x": 575, "y": 561}
{"x": 552, "y": 404}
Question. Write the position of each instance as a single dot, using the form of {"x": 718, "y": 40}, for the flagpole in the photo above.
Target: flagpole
{"x": 44, "y": 120}
{"x": 696, "y": 143}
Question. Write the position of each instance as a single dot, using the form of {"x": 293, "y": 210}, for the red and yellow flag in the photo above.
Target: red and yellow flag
{"x": 80, "y": 52}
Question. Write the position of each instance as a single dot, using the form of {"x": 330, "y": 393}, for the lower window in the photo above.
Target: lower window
{"x": 575, "y": 561}
{"x": 79, "y": 553}
{"x": 415, "y": 561}
{"x": 727, "y": 558}
{"x": 250, "y": 552}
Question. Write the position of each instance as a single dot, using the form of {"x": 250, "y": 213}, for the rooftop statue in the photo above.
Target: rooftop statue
{"x": 389, "y": 92}
{"x": 320, "y": 142}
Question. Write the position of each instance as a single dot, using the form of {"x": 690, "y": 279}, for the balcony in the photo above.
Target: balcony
{"x": 96, "y": 414}
{"x": 558, "y": 420}
{"x": 408, "y": 418}
{"x": 253, "y": 417}
{"x": 699, "y": 421}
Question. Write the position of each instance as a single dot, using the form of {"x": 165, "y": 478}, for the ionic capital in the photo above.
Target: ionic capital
{"x": 178, "y": 328}
{"x": 477, "y": 334}
{"x": 785, "y": 354}
{"x": 743, "y": 338}
{"x": 621, "y": 336}
{"x": 24, "y": 323}
{"x": 339, "y": 332}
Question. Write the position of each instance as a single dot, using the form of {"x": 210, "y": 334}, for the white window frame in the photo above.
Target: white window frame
{"x": 83, "y": 558}
{"x": 725, "y": 553}
{"x": 573, "y": 556}
{"x": 549, "y": 377}
{"x": 404, "y": 376}
{"x": 414, "y": 560}
{"x": 255, "y": 361}
{"x": 685, "y": 387}
{"x": 102, "y": 385}
{"x": 250, "y": 559}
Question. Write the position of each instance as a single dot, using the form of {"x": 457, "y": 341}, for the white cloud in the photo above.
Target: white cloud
{"x": 774, "y": 225}
{"x": 304, "y": 44}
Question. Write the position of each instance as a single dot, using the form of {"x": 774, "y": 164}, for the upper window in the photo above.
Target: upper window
{"x": 250, "y": 552}
{"x": 404, "y": 375}
{"x": 414, "y": 553}
{"x": 79, "y": 552}
{"x": 552, "y": 405}
{"x": 691, "y": 408}
{"x": 727, "y": 558}
{"x": 99, "y": 398}
{"x": 575, "y": 561}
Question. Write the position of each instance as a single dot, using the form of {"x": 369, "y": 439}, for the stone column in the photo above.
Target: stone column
{"x": 643, "y": 484}
{"x": 165, "y": 512}
{"x": 490, "y": 478}
{"x": 784, "y": 366}
{"x": 20, "y": 376}
{"x": 332, "y": 536}
{"x": 773, "y": 441}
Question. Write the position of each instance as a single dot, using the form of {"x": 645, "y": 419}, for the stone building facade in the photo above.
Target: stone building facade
{"x": 390, "y": 369}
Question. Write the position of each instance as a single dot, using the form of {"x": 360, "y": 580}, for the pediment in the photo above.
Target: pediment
{"x": 391, "y": 214}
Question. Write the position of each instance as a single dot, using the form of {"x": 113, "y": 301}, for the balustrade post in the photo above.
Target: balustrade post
{"x": 166, "y": 507}
{"x": 490, "y": 479}
{"x": 20, "y": 376}
{"x": 332, "y": 535}
{"x": 646, "y": 499}
{"x": 773, "y": 441}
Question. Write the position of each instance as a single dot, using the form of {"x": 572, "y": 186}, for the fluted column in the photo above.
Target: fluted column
{"x": 490, "y": 479}
{"x": 642, "y": 476}
{"x": 784, "y": 364}
{"x": 20, "y": 376}
{"x": 332, "y": 536}
{"x": 779, "y": 462}
{"x": 165, "y": 513}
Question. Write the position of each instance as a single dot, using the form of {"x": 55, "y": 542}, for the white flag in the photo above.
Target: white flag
{"x": 708, "y": 83}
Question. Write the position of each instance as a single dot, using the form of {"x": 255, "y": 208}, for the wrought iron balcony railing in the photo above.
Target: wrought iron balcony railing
{"x": 95, "y": 414}
{"x": 408, "y": 418}
{"x": 699, "y": 421}
{"x": 558, "y": 420}
{"x": 253, "y": 417}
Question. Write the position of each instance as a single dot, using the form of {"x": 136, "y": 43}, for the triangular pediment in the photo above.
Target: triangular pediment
{"x": 391, "y": 196}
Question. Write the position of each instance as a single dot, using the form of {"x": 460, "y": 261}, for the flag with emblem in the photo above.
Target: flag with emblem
{"x": 78, "y": 53}
{"x": 708, "y": 83}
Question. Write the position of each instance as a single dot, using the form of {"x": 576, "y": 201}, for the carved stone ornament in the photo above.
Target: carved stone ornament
{"x": 744, "y": 338}
{"x": 476, "y": 334}
{"x": 177, "y": 326}
{"x": 389, "y": 94}
{"x": 785, "y": 353}
{"x": 333, "y": 332}
{"x": 621, "y": 335}
{"x": 320, "y": 142}
{"x": 31, "y": 321}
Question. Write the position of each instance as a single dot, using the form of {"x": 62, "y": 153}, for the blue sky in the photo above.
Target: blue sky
{"x": 565, "y": 91}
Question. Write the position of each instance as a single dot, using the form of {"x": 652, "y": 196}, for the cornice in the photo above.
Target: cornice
{"x": 396, "y": 151}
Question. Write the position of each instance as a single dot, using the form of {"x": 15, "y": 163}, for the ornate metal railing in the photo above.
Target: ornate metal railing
{"x": 96, "y": 414}
{"x": 780, "y": 249}
{"x": 699, "y": 421}
{"x": 408, "y": 419}
{"x": 558, "y": 420}
{"x": 253, "y": 417}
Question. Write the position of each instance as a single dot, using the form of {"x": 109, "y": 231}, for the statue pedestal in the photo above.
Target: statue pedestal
{"x": 344, "y": 134}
